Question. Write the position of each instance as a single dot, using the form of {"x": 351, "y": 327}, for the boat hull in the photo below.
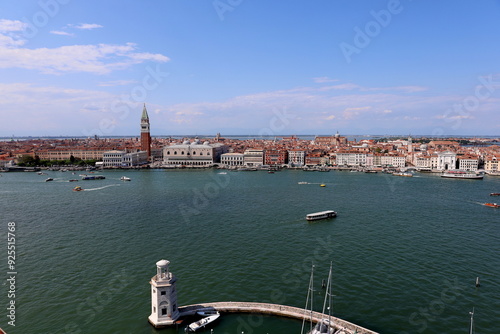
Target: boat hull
{"x": 321, "y": 215}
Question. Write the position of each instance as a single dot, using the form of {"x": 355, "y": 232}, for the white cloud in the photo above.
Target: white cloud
{"x": 87, "y": 26}
{"x": 117, "y": 83}
{"x": 97, "y": 59}
{"x": 60, "y": 32}
{"x": 11, "y": 25}
{"x": 324, "y": 80}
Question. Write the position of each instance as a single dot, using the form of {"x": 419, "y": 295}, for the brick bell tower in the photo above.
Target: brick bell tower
{"x": 145, "y": 136}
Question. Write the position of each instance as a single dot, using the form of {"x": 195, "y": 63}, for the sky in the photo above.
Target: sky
{"x": 250, "y": 67}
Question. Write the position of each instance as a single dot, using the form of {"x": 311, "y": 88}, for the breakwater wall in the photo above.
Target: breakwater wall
{"x": 274, "y": 309}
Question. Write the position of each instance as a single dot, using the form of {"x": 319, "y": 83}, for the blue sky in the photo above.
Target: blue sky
{"x": 240, "y": 67}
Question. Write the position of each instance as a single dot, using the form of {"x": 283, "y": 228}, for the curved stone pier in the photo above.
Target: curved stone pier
{"x": 274, "y": 309}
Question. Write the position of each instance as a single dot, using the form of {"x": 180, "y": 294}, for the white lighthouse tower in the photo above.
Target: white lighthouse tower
{"x": 164, "y": 311}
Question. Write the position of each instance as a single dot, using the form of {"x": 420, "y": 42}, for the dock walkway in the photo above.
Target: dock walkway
{"x": 274, "y": 309}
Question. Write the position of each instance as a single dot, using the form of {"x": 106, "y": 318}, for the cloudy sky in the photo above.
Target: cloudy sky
{"x": 243, "y": 67}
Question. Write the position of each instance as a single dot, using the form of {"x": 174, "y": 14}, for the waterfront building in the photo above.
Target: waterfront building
{"x": 491, "y": 164}
{"x": 253, "y": 157}
{"x": 446, "y": 160}
{"x": 347, "y": 158}
{"x": 145, "y": 132}
{"x": 164, "y": 309}
{"x": 94, "y": 153}
{"x": 232, "y": 159}
{"x": 422, "y": 162}
{"x": 116, "y": 158}
{"x": 193, "y": 154}
{"x": 370, "y": 160}
{"x": 274, "y": 157}
{"x": 314, "y": 158}
{"x": 296, "y": 157}
{"x": 468, "y": 162}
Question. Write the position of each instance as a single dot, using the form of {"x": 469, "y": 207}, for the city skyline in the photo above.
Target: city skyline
{"x": 237, "y": 67}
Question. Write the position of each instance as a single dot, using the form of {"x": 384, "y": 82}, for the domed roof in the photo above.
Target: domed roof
{"x": 206, "y": 143}
{"x": 185, "y": 142}
{"x": 162, "y": 263}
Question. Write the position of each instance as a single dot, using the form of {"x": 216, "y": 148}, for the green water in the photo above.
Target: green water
{"x": 405, "y": 251}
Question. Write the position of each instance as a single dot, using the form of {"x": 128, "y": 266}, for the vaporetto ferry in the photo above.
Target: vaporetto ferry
{"x": 321, "y": 215}
{"x": 462, "y": 174}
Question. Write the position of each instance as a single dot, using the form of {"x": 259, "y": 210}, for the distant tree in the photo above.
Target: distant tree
{"x": 26, "y": 161}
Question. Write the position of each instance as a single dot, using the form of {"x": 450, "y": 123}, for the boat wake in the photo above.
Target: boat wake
{"x": 100, "y": 188}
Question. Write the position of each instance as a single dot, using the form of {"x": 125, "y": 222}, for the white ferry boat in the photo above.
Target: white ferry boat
{"x": 461, "y": 174}
{"x": 321, "y": 215}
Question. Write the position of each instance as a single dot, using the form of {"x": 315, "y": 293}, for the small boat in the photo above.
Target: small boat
{"x": 77, "y": 188}
{"x": 403, "y": 174}
{"x": 207, "y": 313}
{"x": 322, "y": 185}
{"x": 203, "y": 322}
{"x": 49, "y": 179}
{"x": 93, "y": 177}
{"x": 321, "y": 215}
{"x": 73, "y": 180}
{"x": 495, "y": 194}
{"x": 492, "y": 205}
{"x": 124, "y": 178}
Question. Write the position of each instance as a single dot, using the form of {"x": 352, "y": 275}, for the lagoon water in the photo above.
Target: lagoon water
{"x": 405, "y": 251}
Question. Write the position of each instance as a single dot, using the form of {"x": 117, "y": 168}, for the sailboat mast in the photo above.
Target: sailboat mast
{"x": 471, "y": 321}
{"x": 309, "y": 296}
{"x": 330, "y": 294}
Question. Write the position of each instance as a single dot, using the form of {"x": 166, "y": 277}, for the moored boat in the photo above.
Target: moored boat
{"x": 203, "y": 322}
{"x": 207, "y": 313}
{"x": 321, "y": 215}
{"x": 93, "y": 177}
{"x": 407, "y": 174}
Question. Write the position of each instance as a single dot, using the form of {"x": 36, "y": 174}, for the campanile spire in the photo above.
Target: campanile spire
{"x": 145, "y": 134}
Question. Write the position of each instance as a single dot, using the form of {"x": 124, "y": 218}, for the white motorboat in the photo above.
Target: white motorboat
{"x": 124, "y": 178}
{"x": 203, "y": 322}
{"x": 207, "y": 313}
